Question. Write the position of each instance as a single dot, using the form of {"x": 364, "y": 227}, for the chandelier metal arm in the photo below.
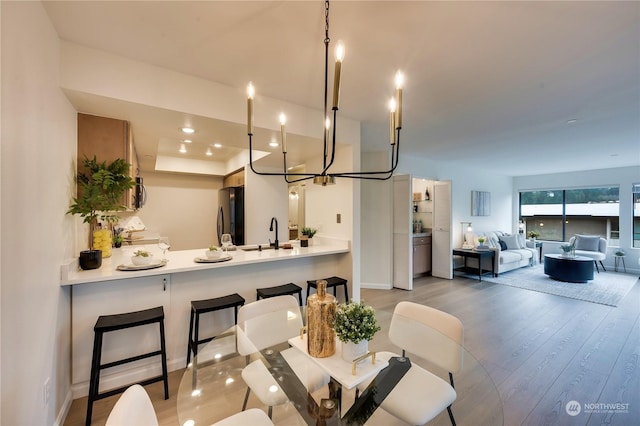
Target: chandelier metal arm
{"x": 395, "y": 154}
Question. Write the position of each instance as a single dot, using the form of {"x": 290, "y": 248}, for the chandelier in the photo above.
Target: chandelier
{"x": 325, "y": 177}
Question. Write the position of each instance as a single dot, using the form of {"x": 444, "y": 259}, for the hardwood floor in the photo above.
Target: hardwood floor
{"x": 542, "y": 351}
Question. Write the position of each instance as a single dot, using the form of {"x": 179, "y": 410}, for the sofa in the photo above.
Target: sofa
{"x": 512, "y": 251}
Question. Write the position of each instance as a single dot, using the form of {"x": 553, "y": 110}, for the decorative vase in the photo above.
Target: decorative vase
{"x": 90, "y": 259}
{"x": 103, "y": 240}
{"x": 351, "y": 351}
{"x": 321, "y": 311}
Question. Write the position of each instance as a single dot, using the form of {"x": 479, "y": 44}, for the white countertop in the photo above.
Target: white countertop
{"x": 183, "y": 261}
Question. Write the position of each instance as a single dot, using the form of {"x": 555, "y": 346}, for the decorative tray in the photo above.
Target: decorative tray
{"x": 482, "y": 248}
{"x": 216, "y": 260}
{"x": 132, "y": 267}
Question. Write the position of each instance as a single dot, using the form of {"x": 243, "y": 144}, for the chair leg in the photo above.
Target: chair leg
{"x": 270, "y": 412}
{"x": 346, "y": 293}
{"x": 246, "y": 399}
{"x": 603, "y": 268}
{"x": 453, "y": 421}
{"x": 595, "y": 262}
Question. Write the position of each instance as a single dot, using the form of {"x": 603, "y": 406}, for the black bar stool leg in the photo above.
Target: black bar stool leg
{"x": 190, "y": 340}
{"x": 163, "y": 349}
{"x": 94, "y": 379}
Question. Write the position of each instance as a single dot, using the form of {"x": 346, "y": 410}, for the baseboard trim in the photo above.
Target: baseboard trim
{"x": 376, "y": 286}
{"x": 64, "y": 410}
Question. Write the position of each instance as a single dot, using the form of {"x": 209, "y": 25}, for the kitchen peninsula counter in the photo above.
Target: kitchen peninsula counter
{"x": 108, "y": 291}
{"x": 183, "y": 261}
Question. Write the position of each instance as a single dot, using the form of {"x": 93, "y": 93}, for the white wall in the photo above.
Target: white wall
{"x": 182, "y": 207}
{"x": 37, "y": 181}
{"x": 376, "y": 219}
{"x": 375, "y": 196}
{"x": 100, "y": 73}
{"x": 265, "y": 197}
{"x": 463, "y": 181}
{"x": 623, "y": 177}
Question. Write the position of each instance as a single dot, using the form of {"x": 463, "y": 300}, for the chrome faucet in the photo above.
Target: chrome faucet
{"x": 273, "y": 219}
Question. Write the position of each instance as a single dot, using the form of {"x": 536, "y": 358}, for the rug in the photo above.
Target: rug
{"x": 607, "y": 288}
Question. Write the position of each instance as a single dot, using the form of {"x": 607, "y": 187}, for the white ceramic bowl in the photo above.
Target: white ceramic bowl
{"x": 213, "y": 254}
{"x": 141, "y": 260}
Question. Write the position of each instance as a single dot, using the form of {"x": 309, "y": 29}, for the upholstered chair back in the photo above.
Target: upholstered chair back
{"x": 429, "y": 333}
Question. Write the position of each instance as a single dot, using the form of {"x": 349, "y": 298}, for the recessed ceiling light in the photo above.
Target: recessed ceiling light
{"x": 187, "y": 130}
{"x": 209, "y": 151}
{"x": 183, "y": 149}
{"x": 187, "y": 141}
{"x": 217, "y": 145}
{"x": 273, "y": 144}
{"x": 572, "y": 121}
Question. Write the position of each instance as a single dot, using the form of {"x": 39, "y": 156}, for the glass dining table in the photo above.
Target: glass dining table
{"x": 213, "y": 388}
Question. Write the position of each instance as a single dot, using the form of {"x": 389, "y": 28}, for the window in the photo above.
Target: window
{"x": 557, "y": 215}
{"x": 636, "y": 215}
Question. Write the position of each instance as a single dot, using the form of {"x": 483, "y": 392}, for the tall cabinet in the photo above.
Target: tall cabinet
{"x": 107, "y": 139}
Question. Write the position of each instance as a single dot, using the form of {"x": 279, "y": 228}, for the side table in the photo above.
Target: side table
{"x": 618, "y": 260}
{"x": 477, "y": 254}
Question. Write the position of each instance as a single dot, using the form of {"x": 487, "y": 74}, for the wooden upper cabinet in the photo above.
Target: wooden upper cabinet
{"x": 107, "y": 139}
{"x": 234, "y": 179}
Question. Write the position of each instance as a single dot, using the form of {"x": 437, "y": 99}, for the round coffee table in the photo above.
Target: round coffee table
{"x": 577, "y": 269}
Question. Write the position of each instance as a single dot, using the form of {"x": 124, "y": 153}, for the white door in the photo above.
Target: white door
{"x": 441, "y": 232}
{"x": 402, "y": 233}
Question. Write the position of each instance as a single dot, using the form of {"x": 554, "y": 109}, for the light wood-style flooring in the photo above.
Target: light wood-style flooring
{"x": 541, "y": 351}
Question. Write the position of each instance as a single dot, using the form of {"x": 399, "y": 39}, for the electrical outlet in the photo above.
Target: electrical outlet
{"x": 338, "y": 218}
{"x": 46, "y": 392}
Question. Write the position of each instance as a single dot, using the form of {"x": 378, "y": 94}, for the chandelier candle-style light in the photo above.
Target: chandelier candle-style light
{"x": 325, "y": 177}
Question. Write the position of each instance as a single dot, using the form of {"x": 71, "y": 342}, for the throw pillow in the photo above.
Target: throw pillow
{"x": 521, "y": 241}
{"x": 503, "y": 245}
{"x": 587, "y": 242}
{"x": 511, "y": 241}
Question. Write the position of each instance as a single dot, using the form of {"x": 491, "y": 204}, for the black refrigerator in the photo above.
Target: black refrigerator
{"x": 231, "y": 214}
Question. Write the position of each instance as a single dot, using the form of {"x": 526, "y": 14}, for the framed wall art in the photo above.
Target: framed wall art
{"x": 480, "y": 203}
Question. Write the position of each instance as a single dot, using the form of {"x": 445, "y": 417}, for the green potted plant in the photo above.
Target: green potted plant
{"x": 355, "y": 324}
{"x": 117, "y": 239}
{"x": 533, "y": 234}
{"x": 213, "y": 252}
{"x": 568, "y": 250}
{"x": 101, "y": 187}
{"x": 141, "y": 257}
{"x": 306, "y": 236}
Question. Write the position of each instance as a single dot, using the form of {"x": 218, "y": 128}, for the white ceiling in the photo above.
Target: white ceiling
{"x": 493, "y": 84}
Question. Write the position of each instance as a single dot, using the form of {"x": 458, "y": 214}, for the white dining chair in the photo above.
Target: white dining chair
{"x": 133, "y": 408}
{"x": 265, "y": 323}
{"x": 434, "y": 336}
{"x": 251, "y": 417}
